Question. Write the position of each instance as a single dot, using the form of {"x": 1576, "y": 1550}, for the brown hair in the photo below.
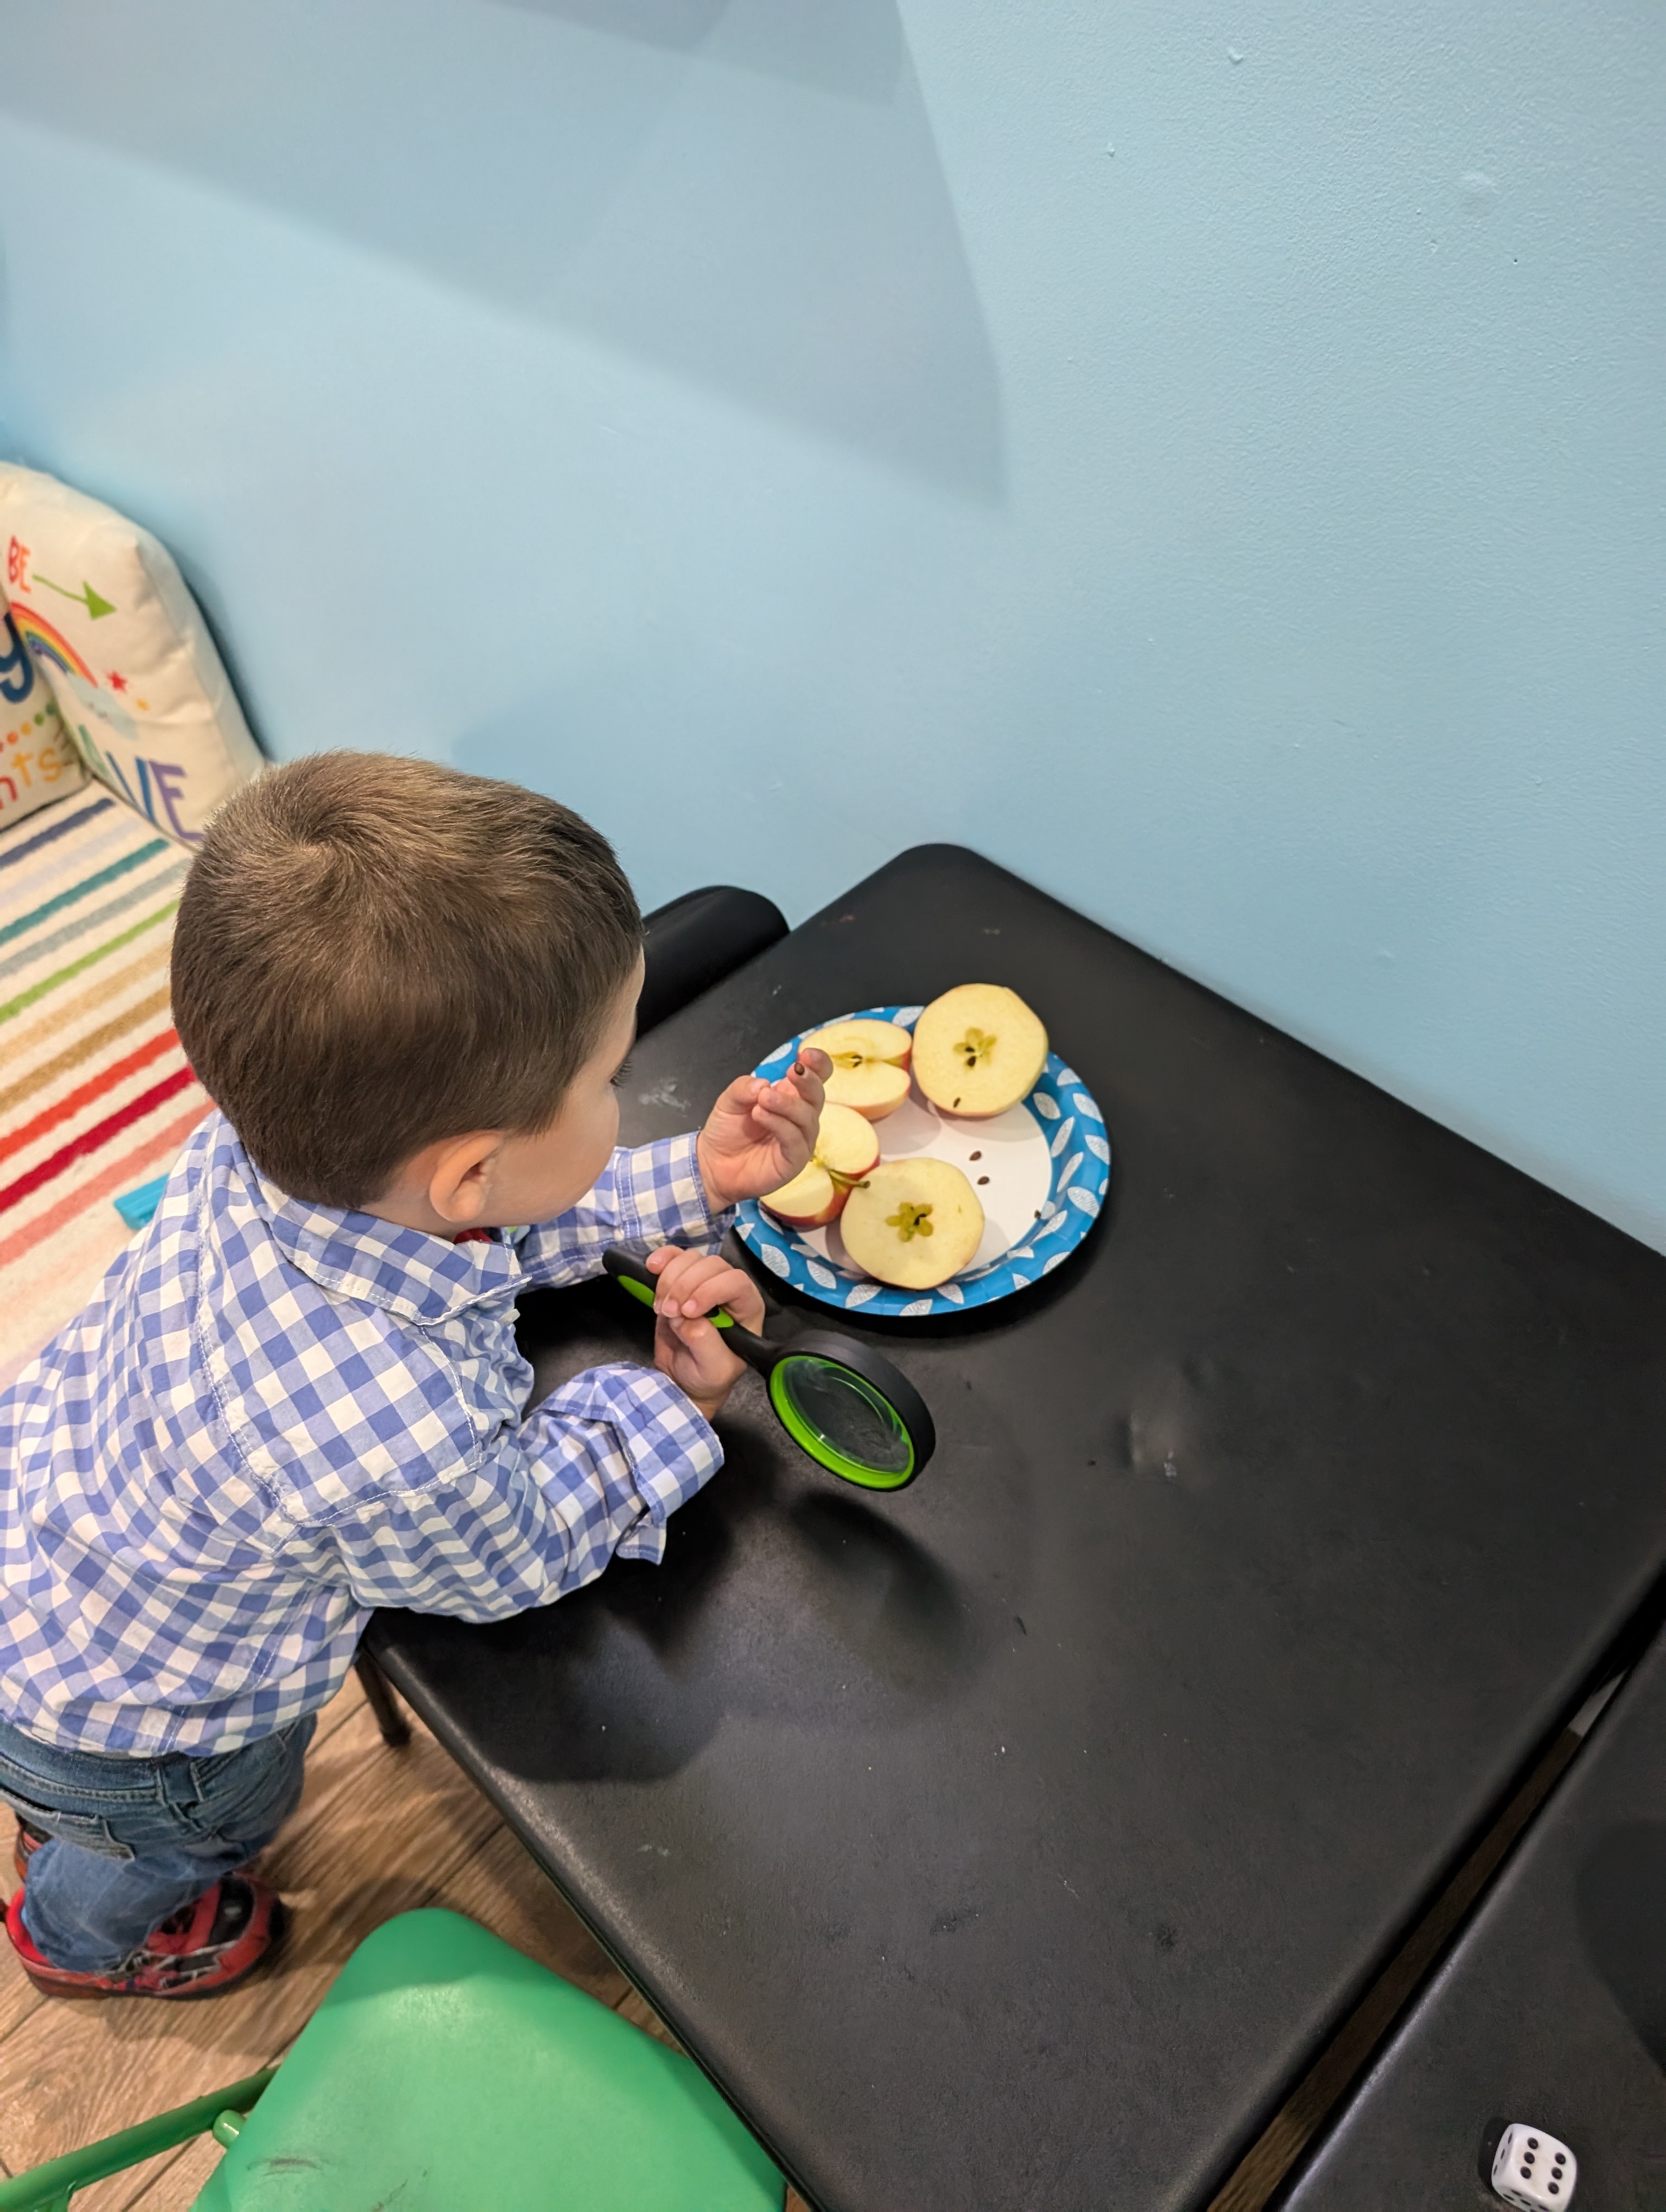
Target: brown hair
{"x": 373, "y": 952}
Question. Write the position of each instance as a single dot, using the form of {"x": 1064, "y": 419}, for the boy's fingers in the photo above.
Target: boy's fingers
{"x": 714, "y": 1290}
{"x": 809, "y": 1082}
{"x": 787, "y": 1098}
{"x": 785, "y": 1101}
{"x": 800, "y": 1127}
{"x": 699, "y": 1281}
{"x": 688, "y": 1284}
{"x": 696, "y": 1294}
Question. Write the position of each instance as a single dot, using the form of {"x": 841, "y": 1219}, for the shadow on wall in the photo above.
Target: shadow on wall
{"x": 855, "y": 49}
{"x": 743, "y": 192}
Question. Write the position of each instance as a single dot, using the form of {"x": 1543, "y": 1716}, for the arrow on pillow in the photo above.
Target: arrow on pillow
{"x": 85, "y": 596}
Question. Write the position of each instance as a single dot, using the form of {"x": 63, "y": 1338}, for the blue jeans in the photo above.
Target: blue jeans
{"x": 135, "y": 1839}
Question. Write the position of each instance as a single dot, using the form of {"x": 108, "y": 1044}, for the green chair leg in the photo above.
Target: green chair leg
{"x": 48, "y": 2188}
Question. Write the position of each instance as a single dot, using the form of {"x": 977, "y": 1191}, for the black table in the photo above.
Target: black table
{"x": 1014, "y": 1841}
{"x": 1552, "y": 2010}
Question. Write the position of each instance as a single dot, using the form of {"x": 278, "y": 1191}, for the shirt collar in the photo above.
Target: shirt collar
{"x": 406, "y": 1271}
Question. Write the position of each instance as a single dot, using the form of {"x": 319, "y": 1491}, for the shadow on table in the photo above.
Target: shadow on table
{"x": 784, "y": 1597}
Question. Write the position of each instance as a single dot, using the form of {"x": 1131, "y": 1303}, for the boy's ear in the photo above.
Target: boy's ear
{"x": 459, "y": 1175}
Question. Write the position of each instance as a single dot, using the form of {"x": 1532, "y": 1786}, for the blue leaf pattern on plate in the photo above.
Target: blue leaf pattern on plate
{"x": 1058, "y": 1097}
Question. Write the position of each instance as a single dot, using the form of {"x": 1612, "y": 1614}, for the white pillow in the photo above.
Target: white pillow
{"x": 130, "y": 664}
{"x": 38, "y": 760}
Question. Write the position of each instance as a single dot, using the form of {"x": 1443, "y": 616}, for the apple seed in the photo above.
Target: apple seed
{"x": 974, "y": 1045}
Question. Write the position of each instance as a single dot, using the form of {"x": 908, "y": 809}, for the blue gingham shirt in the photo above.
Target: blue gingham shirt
{"x": 275, "y": 1416}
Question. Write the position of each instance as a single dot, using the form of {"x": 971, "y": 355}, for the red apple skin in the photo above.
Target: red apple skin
{"x": 829, "y": 1213}
{"x": 869, "y": 1166}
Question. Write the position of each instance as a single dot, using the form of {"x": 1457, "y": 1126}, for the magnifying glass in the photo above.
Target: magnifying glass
{"x": 851, "y": 1410}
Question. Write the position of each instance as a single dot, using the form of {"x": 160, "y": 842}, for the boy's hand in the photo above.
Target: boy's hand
{"x": 760, "y": 1134}
{"x": 688, "y": 1349}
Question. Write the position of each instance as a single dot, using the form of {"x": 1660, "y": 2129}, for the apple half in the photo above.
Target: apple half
{"x": 870, "y": 1066}
{"x": 846, "y": 1148}
{"x": 912, "y": 1222}
{"x": 977, "y": 1050}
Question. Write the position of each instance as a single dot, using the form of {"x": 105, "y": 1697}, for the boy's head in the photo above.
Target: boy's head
{"x": 377, "y": 959}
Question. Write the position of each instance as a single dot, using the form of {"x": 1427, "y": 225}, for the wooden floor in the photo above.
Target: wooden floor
{"x": 378, "y": 1831}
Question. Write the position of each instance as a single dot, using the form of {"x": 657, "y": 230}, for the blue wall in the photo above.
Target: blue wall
{"x": 1209, "y": 458}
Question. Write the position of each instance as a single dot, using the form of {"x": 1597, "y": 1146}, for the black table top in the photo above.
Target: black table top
{"x": 1552, "y": 2010}
{"x": 1014, "y": 1841}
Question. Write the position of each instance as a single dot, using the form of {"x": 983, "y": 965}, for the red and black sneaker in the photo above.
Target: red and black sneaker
{"x": 196, "y": 1951}
{"x": 29, "y": 1841}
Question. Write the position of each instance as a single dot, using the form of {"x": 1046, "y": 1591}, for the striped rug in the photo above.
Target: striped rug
{"x": 94, "y": 1092}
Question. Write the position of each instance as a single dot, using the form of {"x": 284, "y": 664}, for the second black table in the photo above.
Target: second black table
{"x": 1552, "y": 2010}
{"x": 1013, "y": 1842}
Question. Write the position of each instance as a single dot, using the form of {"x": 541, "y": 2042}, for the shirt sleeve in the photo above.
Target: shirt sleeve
{"x": 592, "y": 1471}
{"x": 648, "y": 1194}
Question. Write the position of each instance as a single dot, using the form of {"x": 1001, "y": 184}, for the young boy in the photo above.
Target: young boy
{"x": 410, "y": 994}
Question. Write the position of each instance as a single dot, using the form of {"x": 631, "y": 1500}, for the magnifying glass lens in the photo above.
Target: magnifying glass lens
{"x": 835, "y": 1415}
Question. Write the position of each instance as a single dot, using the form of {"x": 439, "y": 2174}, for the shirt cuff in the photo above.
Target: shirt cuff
{"x": 671, "y": 1449}
{"x": 661, "y": 1186}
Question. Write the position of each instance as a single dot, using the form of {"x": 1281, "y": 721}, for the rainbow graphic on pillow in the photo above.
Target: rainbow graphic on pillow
{"x": 47, "y": 643}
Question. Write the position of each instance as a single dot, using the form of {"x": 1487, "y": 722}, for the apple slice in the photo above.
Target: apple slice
{"x": 870, "y": 1064}
{"x": 977, "y": 1050}
{"x": 913, "y": 1222}
{"x": 846, "y": 1148}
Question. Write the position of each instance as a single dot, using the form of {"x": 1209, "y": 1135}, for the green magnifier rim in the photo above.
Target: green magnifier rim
{"x": 874, "y": 1374}
{"x": 810, "y": 1440}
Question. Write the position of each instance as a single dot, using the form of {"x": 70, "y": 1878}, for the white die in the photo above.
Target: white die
{"x": 1533, "y": 2169}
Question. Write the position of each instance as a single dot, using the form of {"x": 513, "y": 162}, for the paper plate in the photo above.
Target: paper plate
{"x": 1048, "y": 1165}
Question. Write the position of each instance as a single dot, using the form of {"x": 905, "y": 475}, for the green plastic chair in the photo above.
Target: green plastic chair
{"x": 446, "y": 2072}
